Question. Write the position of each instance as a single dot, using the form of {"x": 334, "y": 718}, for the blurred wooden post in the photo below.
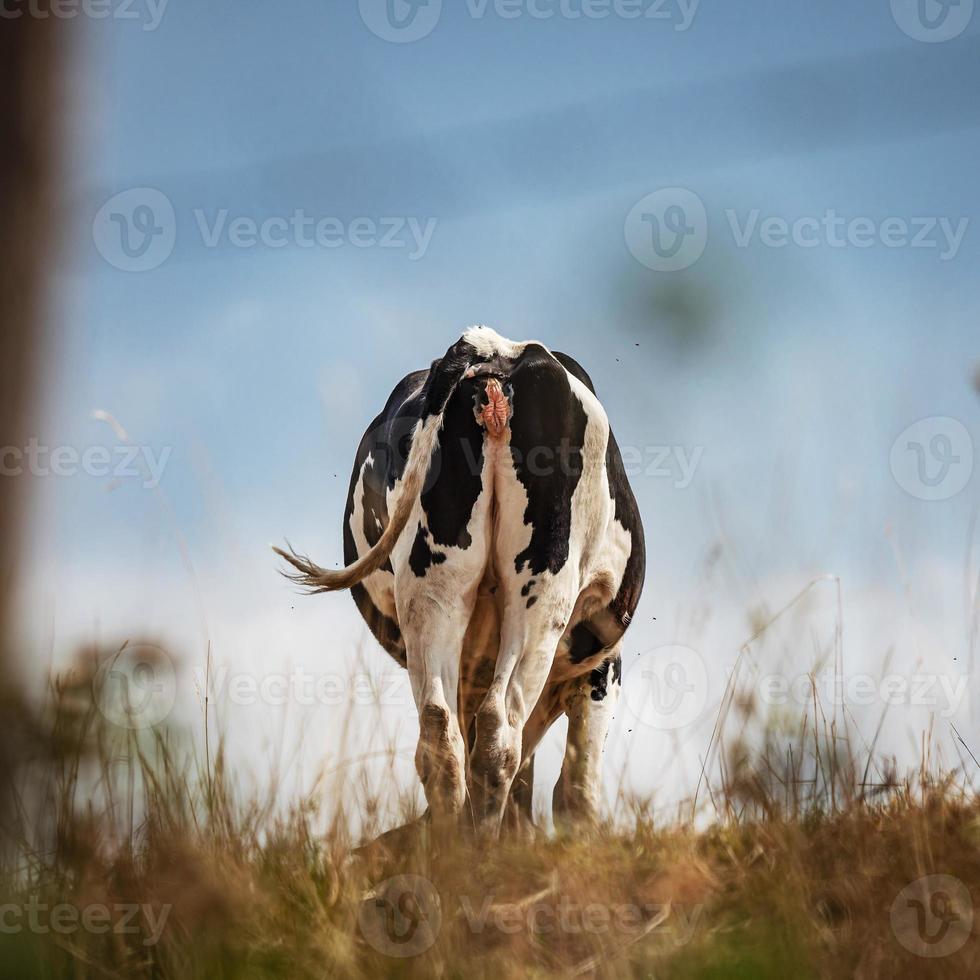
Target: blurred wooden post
{"x": 30, "y": 76}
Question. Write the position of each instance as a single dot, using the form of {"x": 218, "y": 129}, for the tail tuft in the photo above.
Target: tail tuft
{"x": 308, "y": 575}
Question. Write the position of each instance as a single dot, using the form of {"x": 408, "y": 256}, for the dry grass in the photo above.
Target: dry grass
{"x": 797, "y": 873}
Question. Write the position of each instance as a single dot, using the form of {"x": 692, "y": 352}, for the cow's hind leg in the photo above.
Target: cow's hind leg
{"x": 434, "y": 638}
{"x": 520, "y": 811}
{"x": 529, "y": 638}
{"x": 439, "y": 565}
{"x": 589, "y": 702}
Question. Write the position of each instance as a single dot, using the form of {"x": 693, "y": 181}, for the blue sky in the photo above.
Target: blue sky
{"x": 788, "y": 371}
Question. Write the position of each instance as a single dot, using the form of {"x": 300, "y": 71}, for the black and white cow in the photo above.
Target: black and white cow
{"x": 494, "y": 547}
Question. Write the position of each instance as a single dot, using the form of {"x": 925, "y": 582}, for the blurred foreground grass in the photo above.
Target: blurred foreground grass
{"x": 131, "y": 857}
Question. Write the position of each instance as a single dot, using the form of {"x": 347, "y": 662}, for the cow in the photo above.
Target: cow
{"x": 494, "y": 548}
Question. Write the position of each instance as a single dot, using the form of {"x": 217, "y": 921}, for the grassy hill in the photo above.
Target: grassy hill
{"x": 133, "y": 858}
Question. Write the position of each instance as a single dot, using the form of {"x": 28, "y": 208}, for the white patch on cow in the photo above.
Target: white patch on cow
{"x": 591, "y": 503}
{"x": 511, "y": 535}
{"x": 617, "y": 546}
{"x": 600, "y": 542}
{"x": 380, "y": 585}
{"x": 489, "y": 343}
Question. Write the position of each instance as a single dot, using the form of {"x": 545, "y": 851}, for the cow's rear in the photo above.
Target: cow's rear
{"x": 501, "y": 590}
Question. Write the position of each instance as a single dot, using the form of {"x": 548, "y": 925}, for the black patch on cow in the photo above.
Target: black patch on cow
{"x": 608, "y": 672}
{"x": 574, "y": 368}
{"x": 547, "y": 435}
{"x": 445, "y": 374}
{"x": 388, "y": 442}
{"x": 526, "y": 591}
{"x": 532, "y": 601}
{"x": 422, "y": 556}
{"x": 389, "y": 439}
{"x": 456, "y": 474}
{"x": 583, "y": 643}
{"x": 627, "y": 513}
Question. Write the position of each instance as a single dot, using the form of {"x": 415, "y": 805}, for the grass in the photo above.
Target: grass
{"x": 130, "y": 856}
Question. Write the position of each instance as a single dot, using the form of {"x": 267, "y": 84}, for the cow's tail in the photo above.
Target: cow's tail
{"x": 443, "y": 378}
